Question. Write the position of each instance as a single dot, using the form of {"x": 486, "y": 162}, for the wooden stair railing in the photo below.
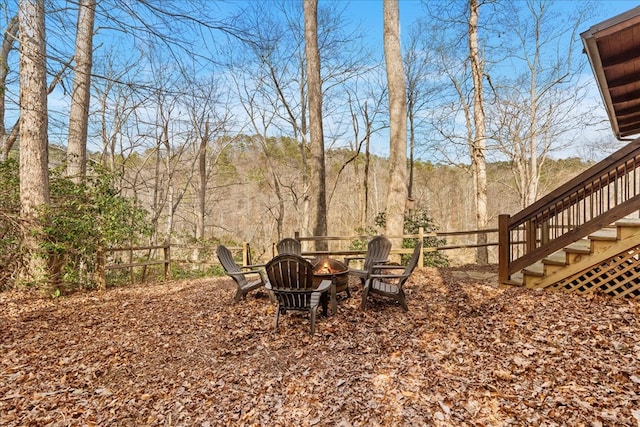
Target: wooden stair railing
{"x": 601, "y": 195}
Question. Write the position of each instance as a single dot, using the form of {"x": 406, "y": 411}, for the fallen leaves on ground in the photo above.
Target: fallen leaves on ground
{"x": 468, "y": 353}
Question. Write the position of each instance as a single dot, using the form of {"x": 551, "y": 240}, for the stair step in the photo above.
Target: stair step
{"x": 628, "y": 228}
{"x": 535, "y": 269}
{"x": 556, "y": 258}
{"x": 580, "y": 247}
{"x": 516, "y": 279}
{"x": 575, "y": 256}
{"x": 606, "y": 234}
{"x": 628, "y": 222}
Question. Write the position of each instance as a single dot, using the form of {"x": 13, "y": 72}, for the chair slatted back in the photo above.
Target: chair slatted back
{"x": 289, "y": 245}
{"x": 226, "y": 259}
{"x": 413, "y": 261}
{"x": 291, "y": 279}
{"x": 378, "y": 250}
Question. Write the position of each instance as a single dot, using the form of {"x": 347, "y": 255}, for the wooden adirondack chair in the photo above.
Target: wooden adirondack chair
{"x": 239, "y": 274}
{"x": 378, "y": 250}
{"x": 290, "y": 278}
{"x": 388, "y": 284}
{"x": 289, "y": 245}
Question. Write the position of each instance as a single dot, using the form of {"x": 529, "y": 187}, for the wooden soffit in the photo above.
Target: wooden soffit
{"x": 613, "y": 48}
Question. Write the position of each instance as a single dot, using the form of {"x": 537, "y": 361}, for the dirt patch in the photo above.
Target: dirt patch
{"x": 468, "y": 353}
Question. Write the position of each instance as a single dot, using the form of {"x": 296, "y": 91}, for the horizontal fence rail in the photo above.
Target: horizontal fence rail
{"x": 601, "y": 195}
{"x": 421, "y": 235}
{"x": 131, "y": 260}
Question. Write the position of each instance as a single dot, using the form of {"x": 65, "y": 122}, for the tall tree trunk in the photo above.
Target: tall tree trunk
{"x": 202, "y": 184}
{"x": 10, "y": 35}
{"x": 478, "y": 145}
{"x": 81, "y": 94}
{"x": 314, "y": 83}
{"x": 531, "y": 189}
{"x": 365, "y": 178}
{"x": 34, "y": 177}
{"x": 412, "y": 145}
{"x": 305, "y": 221}
{"x": 397, "y": 179}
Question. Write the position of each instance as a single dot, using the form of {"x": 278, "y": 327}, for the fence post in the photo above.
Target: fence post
{"x": 101, "y": 279}
{"x": 131, "y": 275}
{"x": 167, "y": 260}
{"x": 421, "y": 239}
{"x": 296, "y": 235}
{"x": 246, "y": 253}
{"x": 504, "y": 248}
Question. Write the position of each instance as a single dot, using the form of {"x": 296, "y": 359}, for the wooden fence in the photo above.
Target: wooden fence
{"x": 337, "y": 244}
{"x": 131, "y": 261}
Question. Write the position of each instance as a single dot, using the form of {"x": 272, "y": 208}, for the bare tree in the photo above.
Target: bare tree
{"x": 397, "y": 179}
{"x": 478, "y": 143}
{"x": 114, "y": 107}
{"x": 34, "y": 173}
{"x": 81, "y": 93}
{"x": 366, "y": 104}
{"x": 274, "y": 53}
{"x": 314, "y": 83}
{"x": 260, "y": 110}
{"x": 9, "y": 135}
{"x": 462, "y": 61}
{"x": 418, "y": 65}
{"x": 541, "y": 104}
{"x": 209, "y": 118}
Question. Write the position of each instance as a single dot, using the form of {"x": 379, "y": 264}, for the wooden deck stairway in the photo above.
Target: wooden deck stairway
{"x": 579, "y": 238}
{"x": 606, "y": 261}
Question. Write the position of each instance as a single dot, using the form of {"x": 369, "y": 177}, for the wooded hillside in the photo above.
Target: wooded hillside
{"x": 243, "y": 205}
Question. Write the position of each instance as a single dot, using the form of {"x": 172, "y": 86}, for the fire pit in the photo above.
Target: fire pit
{"x": 332, "y": 269}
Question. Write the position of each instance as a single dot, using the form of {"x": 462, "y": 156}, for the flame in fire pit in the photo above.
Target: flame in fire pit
{"x": 325, "y": 268}
{"x": 328, "y": 266}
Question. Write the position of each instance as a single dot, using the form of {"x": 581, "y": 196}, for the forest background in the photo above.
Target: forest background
{"x": 198, "y": 116}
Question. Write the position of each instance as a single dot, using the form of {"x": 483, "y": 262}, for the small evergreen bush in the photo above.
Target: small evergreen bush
{"x": 413, "y": 220}
{"x": 79, "y": 219}
{"x": 83, "y": 217}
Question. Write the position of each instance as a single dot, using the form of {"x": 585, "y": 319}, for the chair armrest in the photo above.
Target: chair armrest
{"x": 347, "y": 259}
{"x": 244, "y": 273}
{"x": 254, "y": 266}
{"x": 386, "y": 276}
{"x": 388, "y": 267}
{"x": 324, "y": 286}
{"x": 249, "y": 272}
{"x": 378, "y": 270}
{"x": 384, "y": 263}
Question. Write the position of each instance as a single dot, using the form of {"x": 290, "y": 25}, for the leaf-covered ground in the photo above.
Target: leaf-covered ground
{"x": 467, "y": 354}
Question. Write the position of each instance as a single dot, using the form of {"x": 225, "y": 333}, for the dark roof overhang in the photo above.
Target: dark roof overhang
{"x": 613, "y": 48}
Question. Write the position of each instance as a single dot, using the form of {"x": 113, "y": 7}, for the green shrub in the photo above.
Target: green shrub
{"x": 10, "y": 233}
{"x": 361, "y": 243}
{"x": 412, "y": 223}
{"x": 413, "y": 220}
{"x": 83, "y": 217}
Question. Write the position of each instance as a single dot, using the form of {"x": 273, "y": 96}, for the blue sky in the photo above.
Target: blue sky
{"x": 369, "y": 12}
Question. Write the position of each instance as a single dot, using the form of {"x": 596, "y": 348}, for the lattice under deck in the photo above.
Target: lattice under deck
{"x": 618, "y": 276}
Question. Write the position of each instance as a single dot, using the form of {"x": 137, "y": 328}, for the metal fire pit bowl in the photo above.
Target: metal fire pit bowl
{"x": 329, "y": 268}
